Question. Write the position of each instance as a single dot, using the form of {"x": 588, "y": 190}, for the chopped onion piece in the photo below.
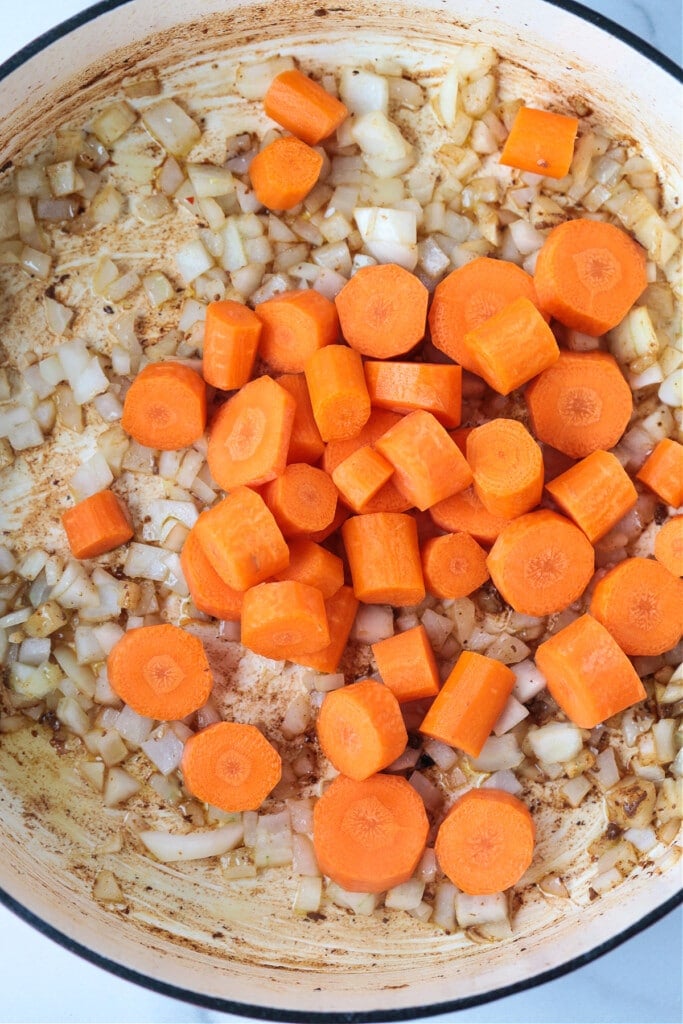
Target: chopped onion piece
{"x": 35, "y": 262}
{"x": 362, "y": 903}
{"x": 303, "y": 856}
{"x": 58, "y": 318}
{"x": 498, "y": 753}
{"x": 112, "y": 122}
{"x": 444, "y": 906}
{"x": 210, "y": 180}
{"x": 574, "y": 790}
{"x": 478, "y": 910}
{"x": 192, "y": 260}
{"x": 164, "y": 749}
{"x": 529, "y": 681}
{"x": 193, "y": 845}
{"x": 373, "y": 622}
{"x": 555, "y": 742}
{"x": 252, "y": 80}
{"x": 505, "y": 780}
{"x": 442, "y": 755}
{"x": 171, "y": 127}
{"x": 92, "y": 476}
{"x": 606, "y": 771}
{"x": 132, "y": 727}
{"x": 308, "y": 895}
{"x": 406, "y": 896}
{"x": 389, "y": 235}
{"x": 363, "y": 91}
{"x": 378, "y": 136}
{"x": 512, "y": 714}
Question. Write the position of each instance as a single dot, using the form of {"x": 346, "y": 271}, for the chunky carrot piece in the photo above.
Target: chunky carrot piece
{"x": 160, "y": 671}
{"x": 588, "y": 275}
{"x": 305, "y": 442}
{"x": 209, "y": 592}
{"x": 384, "y": 558}
{"x": 165, "y": 407}
{"x": 464, "y": 513}
{"x": 231, "y": 338}
{"x": 669, "y": 545}
{"x": 428, "y": 465}
{"x": 249, "y": 437}
{"x": 541, "y": 563}
{"x": 587, "y": 673}
{"x": 580, "y": 404}
{"x": 283, "y": 619}
{"x": 303, "y": 499}
{"x": 468, "y": 296}
{"x": 339, "y": 395}
{"x": 407, "y": 665}
{"x": 388, "y": 498}
{"x": 369, "y": 836}
{"x": 404, "y": 387}
{"x": 540, "y": 142}
{"x": 341, "y": 611}
{"x": 361, "y": 729}
{"x": 662, "y": 472}
{"x": 383, "y": 311}
{"x": 340, "y": 516}
{"x": 507, "y": 465}
{"x": 487, "y": 841}
{"x": 360, "y": 476}
{"x": 295, "y": 325}
{"x": 469, "y": 702}
{"x": 231, "y": 766}
{"x": 314, "y": 565}
{"x": 241, "y": 539}
{"x": 284, "y": 172}
{"x": 595, "y": 493}
{"x": 303, "y": 107}
{"x": 453, "y": 565}
{"x": 97, "y": 524}
{"x": 641, "y": 604}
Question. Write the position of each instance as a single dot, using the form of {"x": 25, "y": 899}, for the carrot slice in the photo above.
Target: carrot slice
{"x": 588, "y": 674}
{"x": 283, "y": 619}
{"x": 303, "y": 107}
{"x": 540, "y": 142}
{"x": 97, "y": 524}
{"x": 360, "y": 476}
{"x": 314, "y": 565}
{"x": 295, "y": 325}
{"x": 383, "y": 311}
{"x": 209, "y": 592}
{"x": 249, "y": 437}
{"x": 588, "y": 275}
{"x": 487, "y": 841}
{"x": 641, "y": 604}
{"x": 361, "y": 729}
{"x": 595, "y": 493}
{"x": 407, "y": 665}
{"x": 303, "y": 499}
{"x": 231, "y": 338}
{"x": 453, "y": 565}
{"x": 284, "y": 172}
{"x": 669, "y": 545}
{"x": 384, "y": 558}
{"x": 369, "y": 836}
{"x": 165, "y": 407}
{"x": 404, "y": 387}
{"x": 388, "y": 498}
{"x": 341, "y": 611}
{"x": 662, "y": 472}
{"x": 507, "y": 465}
{"x": 339, "y": 395}
{"x": 160, "y": 671}
{"x": 464, "y": 513}
{"x": 305, "y": 442}
{"x": 231, "y": 766}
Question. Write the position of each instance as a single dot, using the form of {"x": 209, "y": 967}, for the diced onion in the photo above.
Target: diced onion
{"x": 170, "y": 848}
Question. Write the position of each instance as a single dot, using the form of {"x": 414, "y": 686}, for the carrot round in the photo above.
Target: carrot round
{"x": 305, "y": 442}
{"x": 641, "y": 604}
{"x": 388, "y": 498}
{"x": 231, "y": 766}
{"x": 231, "y": 338}
{"x": 453, "y": 565}
{"x": 669, "y": 545}
{"x": 464, "y": 513}
{"x": 383, "y": 311}
{"x": 209, "y": 592}
{"x": 487, "y": 841}
{"x": 97, "y": 524}
{"x": 284, "y": 172}
{"x": 404, "y": 387}
{"x": 588, "y": 275}
{"x": 540, "y": 142}
{"x": 595, "y": 493}
{"x": 361, "y": 729}
{"x": 303, "y": 107}
{"x": 160, "y": 671}
{"x": 580, "y": 404}
{"x": 541, "y": 563}
{"x": 384, "y": 558}
{"x": 339, "y": 395}
{"x": 341, "y": 611}
{"x": 165, "y": 407}
{"x": 303, "y": 499}
{"x": 314, "y": 565}
{"x": 283, "y": 619}
{"x": 407, "y": 666}
{"x": 295, "y": 325}
{"x": 662, "y": 472}
{"x": 360, "y": 476}
{"x": 507, "y": 466}
{"x": 369, "y": 836}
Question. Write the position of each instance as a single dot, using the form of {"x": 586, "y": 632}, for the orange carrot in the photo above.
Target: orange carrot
{"x": 339, "y": 396}
{"x": 369, "y": 836}
{"x": 305, "y": 443}
{"x": 469, "y": 702}
{"x": 209, "y": 592}
{"x": 241, "y": 539}
{"x": 595, "y": 493}
{"x": 641, "y": 604}
{"x": 669, "y": 545}
{"x": 588, "y": 275}
{"x": 284, "y": 172}
{"x": 464, "y": 513}
{"x": 160, "y": 671}
{"x": 387, "y": 499}
{"x": 283, "y": 619}
{"x": 382, "y": 311}
{"x": 230, "y": 766}
{"x": 165, "y": 407}
{"x": 97, "y": 524}
{"x": 540, "y": 142}
{"x": 341, "y": 611}
{"x": 507, "y": 466}
{"x": 295, "y": 325}
{"x": 361, "y": 729}
{"x": 360, "y": 476}
{"x": 460, "y": 436}
{"x": 580, "y": 404}
{"x": 231, "y": 338}
{"x": 588, "y": 674}
{"x": 303, "y": 499}
{"x": 303, "y": 107}
{"x": 453, "y": 565}
{"x": 662, "y": 472}
{"x": 384, "y": 558}
{"x": 403, "y": 387}
{"x": 314, "y": 565}
{"x": 407, "y": 665}
{"x": 541, "y": 563}
{"x": 487, "y": 841}
{"x": 249, "y": 437}
{"x": 340, "y": 516}
{"x": 428, "y": 465}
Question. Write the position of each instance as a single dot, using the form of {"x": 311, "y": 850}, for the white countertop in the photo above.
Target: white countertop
{"x": 640, "y": 981}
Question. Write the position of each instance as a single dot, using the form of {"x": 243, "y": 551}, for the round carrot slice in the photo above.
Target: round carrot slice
{"x": 383, "y": 311}
{"x": 165, "y": 407}
{"x": 641, "y": 604}
{"x": 231, "y": 766}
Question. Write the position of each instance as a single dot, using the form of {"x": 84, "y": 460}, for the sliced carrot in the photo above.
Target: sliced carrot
{"x": 231, "y": 338}
{"x": 369, "y": 836}
{"x": 662, "y": 472}
{"x": 303, "y": 107}
{"x": 165, "y": 407}
{"x": 507, "y": 465}
{"x": 464, "y": 513}
{"x": 305, "y": 443}
{"x": 541, "y": 563}
{"x": 360, "y": 476}
{"x": 641, "y": 604}
{"x": 283, "y": 619}
{"x": 383, "y": 311}
{"x": 588, "y": 275}
{"x": 97, "y": 524}
{"x": 388, "y": 498}
{"x": 669, "y": 545}
{"x": 241, "y": 539}
{"x": 231, "y": 766}
{"x": 469, "y": 702}
{"x": 404, "y": 387}
{"x": 580, "y": 404}
{"x": 295, "y": 325}
{"x": 384, "y": 558}
{"x": 453, "y": 565}
{"x": 160, "y": 671}
{"x": 340, "y": 516}
{"x": 209, "y": 592}
{"x": 540, "y": 142}
{"x": 407, "y": 665}
{"x": 486, "y": 843}
{"x": 339, "y": 395}
{"x": 284, "y": 172}
{"x": 361, "y": 729}
{"x": 595, "y": 493}
{"x": 249, "y": 437}
{"x": 341, "y": 611}
{"x": 303, "y": 499}
{"x": 588, "y": 674}
{"x": 314, "y": 565}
